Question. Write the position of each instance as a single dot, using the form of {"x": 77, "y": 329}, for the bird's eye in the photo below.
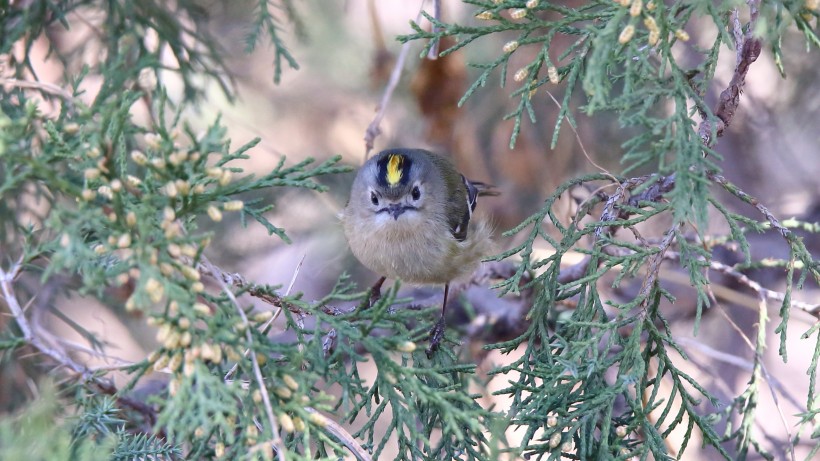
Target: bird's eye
{"x": 374, "y": 199}
{"x": 415, "y": 193}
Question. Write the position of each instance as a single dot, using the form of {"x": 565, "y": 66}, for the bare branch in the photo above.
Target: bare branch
{"x": 341, "y": 435}
{"x": 748, "y": 49}
{"x": 434, "y": 47}
{"x": 737, "y": 192}
{"x": 373, "y": 129}
{"x": 655, "y": 263}
{"x": 765, "y": 292}
{"x": 34, "y": 339}
{"x": 43, "y": 87}
{"x": 6, "y": 283}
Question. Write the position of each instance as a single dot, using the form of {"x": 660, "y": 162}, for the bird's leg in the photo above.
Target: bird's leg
{"x": 376, "y": 291}
{"x": 437, "y": 332}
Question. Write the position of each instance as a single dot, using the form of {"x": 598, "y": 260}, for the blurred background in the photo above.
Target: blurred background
{"x": 346, "y": 51}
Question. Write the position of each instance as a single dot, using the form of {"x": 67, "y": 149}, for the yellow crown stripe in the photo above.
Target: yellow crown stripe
{"x": 394, "y": 171}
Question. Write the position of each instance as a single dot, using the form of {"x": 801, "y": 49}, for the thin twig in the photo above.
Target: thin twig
{"x": 580, "y": 143}
{"x": 724, "y": 357}
{"x": 341, "y": 435}
{"x": 48, "y": 88}
{"x": 118, "y": 362}
{"x": 6, "y": 279}
{"x": 655, "y": 264}
{"x": 740, "y": 277}
{"x": 733, "y": 359}
{"x": 261, "y": 292}
{"x": 257, "y": 371}
{"x": 269, "y": 321}
{"x": 737, "y": 192}
{"x": 373, "y": 129}
{"x": 759, "y": 365}
{"x": 769, "y": 294}
{"x": 287, "y": 292}
{"x": 434, "y": 46}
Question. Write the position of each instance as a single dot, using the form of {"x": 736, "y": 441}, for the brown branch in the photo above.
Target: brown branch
{"x": 747, "y": 49}
{"x": 609, "y": 213}
{"x": 654, "y": 193}
{"x": 261, "y": 292}
{"x": 239, "y": 281}
{"x": 373, "y": 130}
{"x": 655, "y": 264}
{"x": 147, "y": 411}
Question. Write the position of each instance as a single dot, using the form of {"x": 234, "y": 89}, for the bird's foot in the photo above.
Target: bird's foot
{"x": 375, "y": 296}
{"x": 375, "y": 292}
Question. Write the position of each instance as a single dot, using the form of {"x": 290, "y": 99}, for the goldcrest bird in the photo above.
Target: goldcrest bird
{"x": 409, "y": 217}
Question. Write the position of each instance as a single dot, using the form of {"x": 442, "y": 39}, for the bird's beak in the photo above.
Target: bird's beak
{"x": 395, "y": 210}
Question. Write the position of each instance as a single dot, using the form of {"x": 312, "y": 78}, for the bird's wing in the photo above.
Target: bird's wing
{"x": 459, "y": 231}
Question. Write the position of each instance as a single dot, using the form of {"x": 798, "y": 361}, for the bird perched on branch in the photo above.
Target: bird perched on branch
{"x": 410, "y": 216}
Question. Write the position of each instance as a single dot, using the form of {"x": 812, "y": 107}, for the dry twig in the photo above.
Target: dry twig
{"x": 434, "y": 47}
{"x": 59, "y": 356}
{"x": 276, "y": 439}
{"x": 43, "y": 87}
{"x": 748, "y": 49}
{"x": 33, "y": 338}
{"x": 341, "y": 435}
{"x": 373, "y": 130}
{"x": 765, "y": 292}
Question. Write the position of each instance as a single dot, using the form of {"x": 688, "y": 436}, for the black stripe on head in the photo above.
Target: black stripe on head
{"x": 393, "y": 170}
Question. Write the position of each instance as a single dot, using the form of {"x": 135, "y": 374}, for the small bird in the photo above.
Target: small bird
{"x": 409, "y": 217}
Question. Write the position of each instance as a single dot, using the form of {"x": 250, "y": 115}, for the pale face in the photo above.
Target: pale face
{"x": 397, "y": 204}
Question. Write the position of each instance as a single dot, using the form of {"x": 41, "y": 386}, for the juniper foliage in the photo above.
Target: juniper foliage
{"x": 605, "y": 382}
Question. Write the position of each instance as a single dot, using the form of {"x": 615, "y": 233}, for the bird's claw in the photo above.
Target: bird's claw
{"x": 375, "y": 296}
{"x": 436, "y": 336}
{"x": 375, "y": 293}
